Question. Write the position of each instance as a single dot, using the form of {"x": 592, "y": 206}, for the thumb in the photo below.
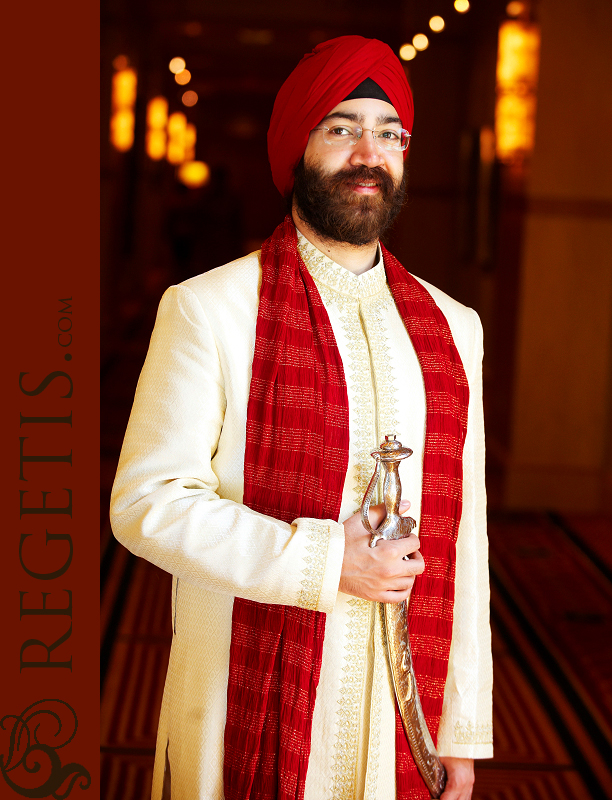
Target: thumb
{"x": 404, "y": 507}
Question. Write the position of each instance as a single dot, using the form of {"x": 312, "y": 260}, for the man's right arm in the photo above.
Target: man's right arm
{"x": 171, "y": 507}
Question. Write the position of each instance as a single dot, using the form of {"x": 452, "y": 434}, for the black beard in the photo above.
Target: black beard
{"x": 336, "y": 212}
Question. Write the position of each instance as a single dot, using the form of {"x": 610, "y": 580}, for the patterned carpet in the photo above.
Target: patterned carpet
{"x": 552, "y": 639}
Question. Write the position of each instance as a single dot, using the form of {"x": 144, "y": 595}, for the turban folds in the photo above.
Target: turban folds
{"x": 320, "y": 81}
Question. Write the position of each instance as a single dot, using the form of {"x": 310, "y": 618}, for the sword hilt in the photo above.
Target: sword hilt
{"x": 394, "y": 526}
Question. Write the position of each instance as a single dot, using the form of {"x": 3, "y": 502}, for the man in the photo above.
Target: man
{"x": 267, "y": 384}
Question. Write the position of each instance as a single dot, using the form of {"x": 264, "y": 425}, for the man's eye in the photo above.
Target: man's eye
{"x": 340, "y": 131}
{"x": 391, "y": 136}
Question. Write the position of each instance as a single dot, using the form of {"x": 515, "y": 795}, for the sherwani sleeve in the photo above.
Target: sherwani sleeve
{"x": 168, "y": 504}
{"x": 466, "y": 729}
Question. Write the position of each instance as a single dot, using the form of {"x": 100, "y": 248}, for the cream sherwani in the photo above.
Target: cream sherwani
{"x": 177, "y": 501}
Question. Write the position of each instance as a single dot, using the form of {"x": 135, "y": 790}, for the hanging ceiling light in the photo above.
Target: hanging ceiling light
{"x": 177, "y": 65}
{"x": 407, "y": 52}
{"x": 420, "y": 41}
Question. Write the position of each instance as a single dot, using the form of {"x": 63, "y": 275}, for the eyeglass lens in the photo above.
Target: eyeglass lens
{"x": 388, "y": 138}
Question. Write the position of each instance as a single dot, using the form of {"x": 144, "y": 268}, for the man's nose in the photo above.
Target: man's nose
{"x": 366, "y": 151}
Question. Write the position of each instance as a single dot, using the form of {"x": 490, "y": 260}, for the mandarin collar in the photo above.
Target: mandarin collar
{"x": 329, "y": 273}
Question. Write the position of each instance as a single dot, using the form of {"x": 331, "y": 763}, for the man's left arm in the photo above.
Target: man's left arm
{"x": 466, "y": 730}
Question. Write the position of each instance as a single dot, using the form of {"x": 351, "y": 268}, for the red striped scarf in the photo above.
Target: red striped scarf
{"x": 296, "y": 458}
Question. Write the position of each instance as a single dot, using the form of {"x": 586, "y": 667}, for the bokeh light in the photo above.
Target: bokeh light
{"x": 124, "y": 88}
{"x": 420, "y": 41}
{"x": 436, "y": 24}
{"x": 407, "y": 52}
{"x": 123, "y": 98}
{"x": 157, "y": 118}
{"x": 190, "y": 98}
{"x": 121, "y": 62}
{"x": 462, "y": 6}
{"x": 177, "y": 124}
{"x": 177, "y": 65}
{"x": 516, "y": 84}
{"x": 155, "y": 144}
{"x": 190, "y": 141}
{"x": 487, "y": 145}
{"x": 122, "y": 129}
{"x": 515, "y": 8}
{"x": 194, "y": 173}
{"x": 157, "y": 112}
{"x": 183, "y": 77}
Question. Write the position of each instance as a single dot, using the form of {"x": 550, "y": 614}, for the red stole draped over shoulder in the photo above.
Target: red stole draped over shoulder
{"x": 296, "y": 457}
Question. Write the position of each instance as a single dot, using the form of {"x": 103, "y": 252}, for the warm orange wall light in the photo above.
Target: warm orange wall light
{"x": 194, "y": 174}
{"x": 177, "y": 125}
{"x": 157, "y": 118}
{"x": 157, "y": 113}
{"x": 123, "y": 99}
{"x": 517, "y": 77}
{"x": 191, "y": 136}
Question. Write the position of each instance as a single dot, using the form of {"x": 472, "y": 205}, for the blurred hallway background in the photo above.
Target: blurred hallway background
{"x": 509, "y": 211}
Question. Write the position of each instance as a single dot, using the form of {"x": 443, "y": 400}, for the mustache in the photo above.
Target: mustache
{"x": 363, "y": 174}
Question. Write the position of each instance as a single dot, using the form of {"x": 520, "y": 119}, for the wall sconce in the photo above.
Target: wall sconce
{"x": 157, "y": 119}
{"x": 518, "y": 56}
{"x": 177, "y": 125}
{"x": 123, "y": 99}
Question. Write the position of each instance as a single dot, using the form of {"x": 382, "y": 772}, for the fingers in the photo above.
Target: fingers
{"x": 389, "y": 555}
{"x": 385, "y": 573}
{"x": 382, "y": 576}
{"x": 459, "y": 778}
{"x": 377, "y": 513}
{"x": 393, "y": 597}
{"x": 394, "y": 591}
{"x": 416, "y": 563}
{"x": 399, "y": 578}
{"x": 398, "y": 591}
{"x": 399, "y": 547}
{"x": 399, "y": 558}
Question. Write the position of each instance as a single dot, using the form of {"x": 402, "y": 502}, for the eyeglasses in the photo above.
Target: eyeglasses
{"x": 387, "y": 138}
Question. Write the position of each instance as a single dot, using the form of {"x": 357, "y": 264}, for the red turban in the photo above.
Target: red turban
{"x": 320, "y": 81}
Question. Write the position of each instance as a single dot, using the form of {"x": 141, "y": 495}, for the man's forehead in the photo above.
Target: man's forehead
{"x": 360, "y": 109}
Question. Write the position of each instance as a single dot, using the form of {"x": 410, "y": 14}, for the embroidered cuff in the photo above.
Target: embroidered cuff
{"x": 322, "y": 563}
{"x": 469, "y": 741}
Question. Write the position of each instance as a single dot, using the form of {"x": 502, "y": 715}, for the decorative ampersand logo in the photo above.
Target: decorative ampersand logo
{"x": 31, "y": 767}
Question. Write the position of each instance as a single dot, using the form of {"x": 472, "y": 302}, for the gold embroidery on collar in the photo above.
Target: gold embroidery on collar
{"x": 336, "y": 277}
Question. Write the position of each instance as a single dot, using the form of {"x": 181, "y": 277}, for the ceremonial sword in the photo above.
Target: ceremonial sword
{"x": 395, "y": 619}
